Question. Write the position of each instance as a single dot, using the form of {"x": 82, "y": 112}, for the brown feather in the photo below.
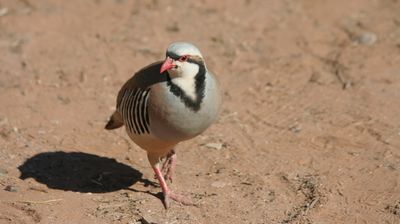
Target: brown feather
{"x": 115, "y": 121}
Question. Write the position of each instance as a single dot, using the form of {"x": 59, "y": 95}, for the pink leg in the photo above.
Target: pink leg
{"x": 168, "y": 194}
{"x": 169, "y": 164}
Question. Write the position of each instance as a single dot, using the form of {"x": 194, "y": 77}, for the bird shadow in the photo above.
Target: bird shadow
{"x": 81, "y": 172}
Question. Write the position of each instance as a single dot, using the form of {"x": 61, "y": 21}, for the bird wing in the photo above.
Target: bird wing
{"x": 143, "y": 79}
{"x": 132, "y": 100}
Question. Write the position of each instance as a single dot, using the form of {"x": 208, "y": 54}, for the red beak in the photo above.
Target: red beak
{"x": 167, "y": 65}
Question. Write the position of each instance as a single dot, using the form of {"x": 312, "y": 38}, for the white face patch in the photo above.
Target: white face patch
{"x": 183, "y": 76}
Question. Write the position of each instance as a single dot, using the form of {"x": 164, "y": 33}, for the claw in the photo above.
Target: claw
{"x": 176, "y": 197}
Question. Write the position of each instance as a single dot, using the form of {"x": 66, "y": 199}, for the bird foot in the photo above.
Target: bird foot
{"x": 183, "y": 200}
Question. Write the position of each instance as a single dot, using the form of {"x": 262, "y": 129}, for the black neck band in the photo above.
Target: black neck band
{"x": 199, "y": 88}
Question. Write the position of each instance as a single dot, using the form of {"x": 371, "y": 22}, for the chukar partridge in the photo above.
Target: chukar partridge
{"x": 166, "y": 103}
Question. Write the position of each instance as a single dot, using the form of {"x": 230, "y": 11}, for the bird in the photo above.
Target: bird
{"x": 165, "y": 103}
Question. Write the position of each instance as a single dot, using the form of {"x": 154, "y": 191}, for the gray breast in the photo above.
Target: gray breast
{"x": 172, "y": 120}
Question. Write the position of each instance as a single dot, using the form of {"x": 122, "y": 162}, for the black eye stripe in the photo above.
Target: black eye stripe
{"x": 173, "y": 56}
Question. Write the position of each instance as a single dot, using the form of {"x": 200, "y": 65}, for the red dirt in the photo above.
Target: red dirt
{"x": 309, "y": 132}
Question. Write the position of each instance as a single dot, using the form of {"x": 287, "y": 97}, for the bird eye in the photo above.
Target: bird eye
{"x": 183, "y": 58}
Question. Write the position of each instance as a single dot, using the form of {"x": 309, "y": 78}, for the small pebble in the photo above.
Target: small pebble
{"x": 216, "y": 146}
{"x": 218, "y": 184}
{"x": 16, "y": 46}
{"x": 3, "y": 172}
{"x": 3, "y": 11}
{"x": 11, "y": 188}
{"x": 367, "y": 38}
{"x": 295, "y": 129}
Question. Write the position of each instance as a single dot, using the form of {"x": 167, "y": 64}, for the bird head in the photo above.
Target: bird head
{"x": 182, "y": 59}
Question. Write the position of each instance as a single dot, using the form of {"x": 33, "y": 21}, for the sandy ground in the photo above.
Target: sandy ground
{"x": 309, "y": 131}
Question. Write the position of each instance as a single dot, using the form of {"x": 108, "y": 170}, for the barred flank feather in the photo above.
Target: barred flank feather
{"x": 133, "y": 108}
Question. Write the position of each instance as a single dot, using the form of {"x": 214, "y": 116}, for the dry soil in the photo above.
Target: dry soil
{"x": 309, "y": 131}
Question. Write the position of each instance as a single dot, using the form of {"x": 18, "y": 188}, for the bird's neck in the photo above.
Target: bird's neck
{"x": 190, "y": 88}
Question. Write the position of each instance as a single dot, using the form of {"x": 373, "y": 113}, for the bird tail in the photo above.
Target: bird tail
{"x": 115, "y": 121}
